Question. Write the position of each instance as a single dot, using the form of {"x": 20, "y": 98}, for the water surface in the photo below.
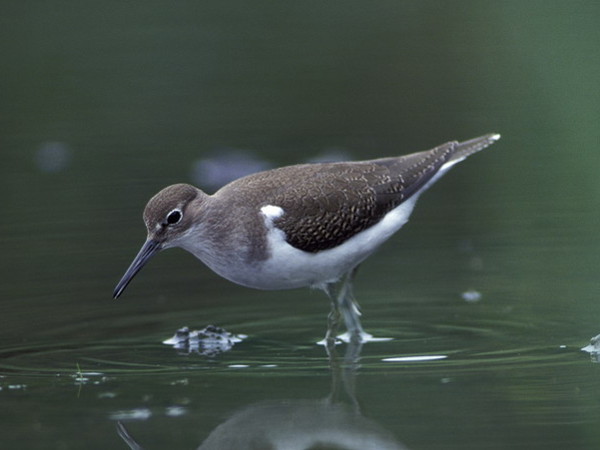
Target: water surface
{"x": 487, "y": 294}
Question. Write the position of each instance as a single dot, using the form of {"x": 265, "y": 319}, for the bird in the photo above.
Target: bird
{"x": 305, "y": 225}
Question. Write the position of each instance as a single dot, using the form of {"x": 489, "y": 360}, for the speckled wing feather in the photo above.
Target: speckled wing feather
{"x": 341, "y": 200}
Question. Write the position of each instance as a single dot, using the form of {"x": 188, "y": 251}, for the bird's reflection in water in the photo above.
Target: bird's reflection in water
{"x": 335, "y": 422}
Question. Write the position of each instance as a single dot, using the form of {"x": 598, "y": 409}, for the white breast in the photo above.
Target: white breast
{"x": 288, "y": 267}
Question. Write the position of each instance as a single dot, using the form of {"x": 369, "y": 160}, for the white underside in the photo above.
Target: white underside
{"x": 288, "y": 267}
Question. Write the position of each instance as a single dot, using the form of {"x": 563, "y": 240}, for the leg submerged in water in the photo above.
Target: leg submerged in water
{"x": 344, "y": 304}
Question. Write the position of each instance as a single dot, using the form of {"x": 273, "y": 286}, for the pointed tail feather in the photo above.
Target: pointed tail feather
{"x": 471, "y": 146}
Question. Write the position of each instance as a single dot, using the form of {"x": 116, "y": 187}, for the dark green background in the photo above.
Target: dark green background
{"x": 135, "y": 93}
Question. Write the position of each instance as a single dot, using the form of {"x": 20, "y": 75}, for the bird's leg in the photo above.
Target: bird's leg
{"x": 333, "y": 320}
{"x": 350, "y": 308}
{"x": 342, "y": 301}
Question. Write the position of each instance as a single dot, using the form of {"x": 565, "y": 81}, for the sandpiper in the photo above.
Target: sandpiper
{"x": 296, "y": 226}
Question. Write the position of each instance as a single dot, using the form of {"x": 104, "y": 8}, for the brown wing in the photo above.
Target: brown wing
{"x": 326, "y": 204}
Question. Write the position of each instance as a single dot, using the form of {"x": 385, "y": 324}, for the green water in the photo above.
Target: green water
{"x": 104, "y": 103}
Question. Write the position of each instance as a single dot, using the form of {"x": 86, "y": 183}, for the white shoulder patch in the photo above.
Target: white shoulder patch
{"x": 272, "y": 212}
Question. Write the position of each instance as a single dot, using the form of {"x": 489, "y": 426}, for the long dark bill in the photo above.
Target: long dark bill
{"x": 149, "y": 249}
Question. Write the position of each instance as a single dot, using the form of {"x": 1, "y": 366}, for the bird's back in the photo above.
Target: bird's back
{"x": 325, "y": 204}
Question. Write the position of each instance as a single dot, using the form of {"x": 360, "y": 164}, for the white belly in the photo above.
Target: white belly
{"x": 289, "y": 267}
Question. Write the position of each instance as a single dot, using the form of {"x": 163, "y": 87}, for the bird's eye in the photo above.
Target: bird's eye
{"x": 174, "y": 216}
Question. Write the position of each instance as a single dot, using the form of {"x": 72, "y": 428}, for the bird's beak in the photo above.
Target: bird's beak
{"x": 149, "y": 249}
